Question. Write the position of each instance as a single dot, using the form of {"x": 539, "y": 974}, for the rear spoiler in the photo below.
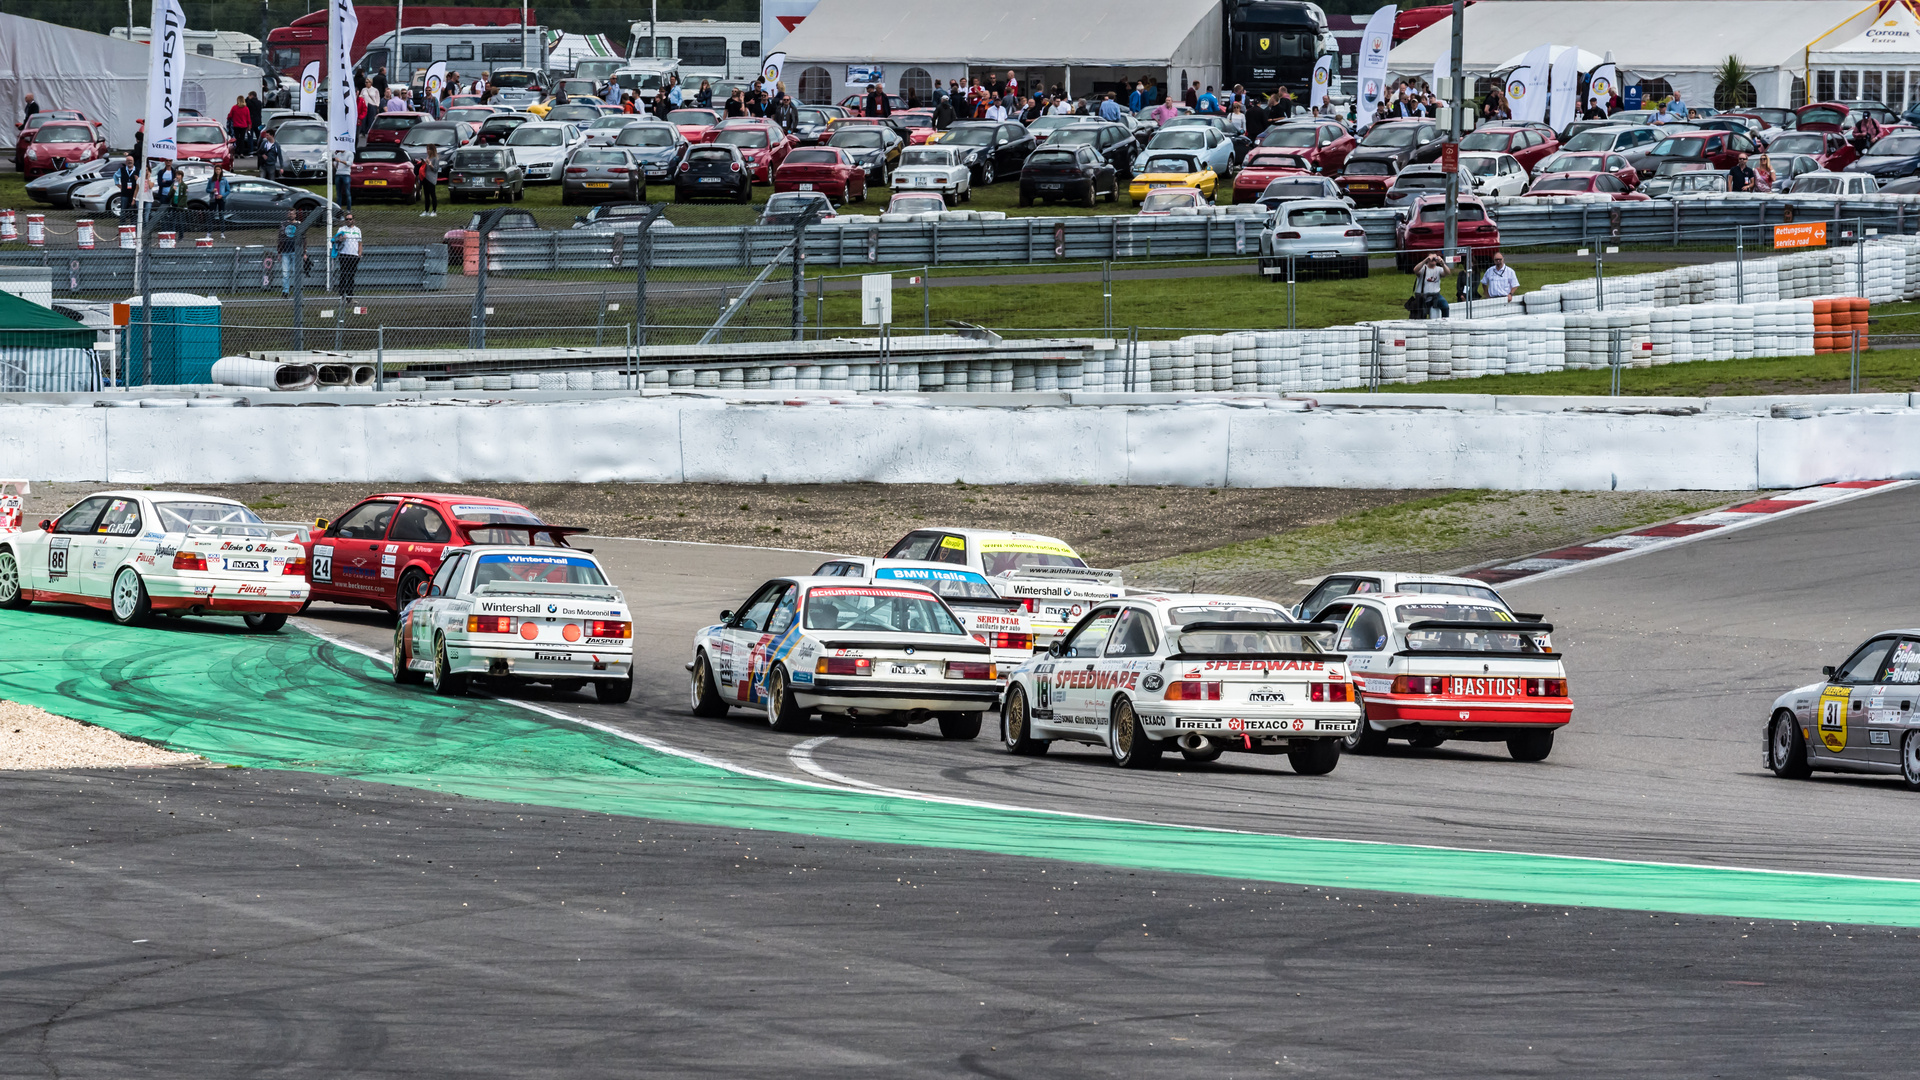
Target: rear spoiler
{"x": 605, "y": 593}
{"x": 1311, "y": 657}
{"x": 1481, "y": 627}
{"x": 557, "y": 530}
{"x": 1264, "y": 627}
{"x": 970, "y": 646}
{"x": 300, "y": 531}
{"x": 1080, "y": 573}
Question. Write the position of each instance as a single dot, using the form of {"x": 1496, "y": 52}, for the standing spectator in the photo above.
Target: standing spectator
{"x": 28, "y": 109}
{"x": 240, "y": 126}
{"x": 1763, "y": 174}
{"x": 217, "y": 190}
{"x": 610, "y": 93}
{"x": 269, "y": 158}
{"x": 1136, "y": 99}
{"x": 1258, "y": 114}
{"x": 1013, "y": 85}
{"x": 288, "y": 248}
{"x": 996, "y": 111}
{"x": 1207, "y": 102}
{"x": 430, "y": 182}
{"x": 398, "y": 102}
{"x": 343, "y": 178}
{"x": 1192, "y": 96}
{"x": 785, "y": 112}
{"x": 626, "y": 103}
{"x": 877, "y": 100}
{"x": 1110, "y": 109}
{"x": 127, "y": 178}
{"x": 346, "y": 245}
{"x": 380, "y": 82}
{"x": 163, "y": 183}
{"x": 1286, "y": 104}
{"x": 1500, "y": 281}
{"x": 735, "y": 106}
{"x": 675, "y": 96}
{"x": 705, "y": 96}
{"x": 254, "y": 106}
{"x": 943, "y": 113}
{"x": 1866, "y": 132}
{"x": 1236, "y": 117}
{"x": 1428, "y": 277}
{"x": 1164, "y": 112}
{"x": 1740, "y": 178}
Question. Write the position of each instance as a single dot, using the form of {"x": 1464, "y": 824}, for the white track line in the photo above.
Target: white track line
{"x": 836, "y": 782}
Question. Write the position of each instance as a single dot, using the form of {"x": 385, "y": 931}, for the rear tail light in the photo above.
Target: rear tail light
{"x": 189, "y": 560}
{"x": 576, "y": 170}
{"x": 844, "y": 665}
{"x": 617, "y": 170}
{"x": 1329, "y": 691}
{"x": 296, "y": 565}
{"x": 1028, "y": 604}
{"x": 1286, "y": 236}
{"x": 1418, "y": 684}
{"x": 1194, "y": 691}
{"x": 457, "y": 178}
{"x": 489, "y": 624}
{"x": 1546, "y": 688}
{"x": 1354, "y": 232}
{"x": 1013, "y": 641}
{"x": 733, "y": 166}
{"x": 604, "y": 628}
{"x": 967, "y": 669}
{"x": 683, "y": 166}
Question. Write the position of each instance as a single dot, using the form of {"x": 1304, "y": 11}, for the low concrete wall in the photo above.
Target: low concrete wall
{"x": 1334, "y": 441}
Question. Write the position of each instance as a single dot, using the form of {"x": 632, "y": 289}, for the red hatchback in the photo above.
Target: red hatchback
{"x": 1526, "y": 143}
{"x": 44, "y": 116}
{"x": 391, "y": 127}
{"x": 1262, "y": 167}
{"x": 696, "y": 125}
{"x": 1584, "y": 183}
{"x": 384, "y": 172}
{"x": 62, "y": 143}
{"x": 205, "y": 141}
{"x": 826, "y": 169}
{"x": 763, "y": 145}
{"x": 1424, "y": 228}
{"x": 1323, "y": 143}
{"x": 1831, "y": 148}
{"x": 383, "y": 552}
{"x": 1366, "y": 181}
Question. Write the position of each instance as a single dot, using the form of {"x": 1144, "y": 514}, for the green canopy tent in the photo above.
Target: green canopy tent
{"x": 43, "y": 351}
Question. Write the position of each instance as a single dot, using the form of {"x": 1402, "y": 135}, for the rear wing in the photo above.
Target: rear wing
{"x": 300, "y": 531}
{"x": 605, "y": 593}
{"x": 287, "y": 531}
{"x": 1262, "y": 627}
{"x": 1481, "y": 627}
{"x": 1066, "y": 573}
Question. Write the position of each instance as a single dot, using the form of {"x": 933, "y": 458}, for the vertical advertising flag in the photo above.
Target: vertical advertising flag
{"x": 1527, "y": 86}
{"x": 309, "y": 86}
{"x": 1604, "y": 83}
{"x": 1564, "y": 107}
{"x": 1323, "y": 85}
{"x": 1371, "y": 70}
{"x": 166, "y": 64}
{"x": 343, "y": 118}
{"x": 772, "y": 67}
{"x": 436, "y": 80}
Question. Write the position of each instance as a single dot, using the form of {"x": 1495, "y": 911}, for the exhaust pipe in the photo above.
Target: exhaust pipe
{"x": 1192, "y": 742}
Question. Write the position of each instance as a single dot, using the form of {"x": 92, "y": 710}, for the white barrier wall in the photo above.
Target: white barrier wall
{"x": 1472, "y": 441}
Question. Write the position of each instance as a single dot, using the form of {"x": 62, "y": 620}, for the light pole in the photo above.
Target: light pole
{"x": 1451, "y": 158}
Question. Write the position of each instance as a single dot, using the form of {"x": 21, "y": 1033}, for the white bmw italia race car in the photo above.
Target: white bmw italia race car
{"x": 1000, "y": 624}
{"x": 1049, "y": 578}
{"x": 138, "y": 553}
{"x": 1202, "y": 674}
{"x": 518, "y": 614}
{"x": 879, "y": 653}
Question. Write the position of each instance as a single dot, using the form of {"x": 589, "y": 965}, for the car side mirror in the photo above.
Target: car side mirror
{"x": 45, "y": 525}
{"x": 321, "y": 524}
{"x": 429, "y": 590}
{"x": 1827, "y": 672}
{"x": 1053, "y": 648}
{"x": 726, "y": 616}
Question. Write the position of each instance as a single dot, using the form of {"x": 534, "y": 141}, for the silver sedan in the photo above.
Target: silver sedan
{"x": 602, "y": 174}
{"x": 1861, "y": 717}
{"x": 1319, "y": 235}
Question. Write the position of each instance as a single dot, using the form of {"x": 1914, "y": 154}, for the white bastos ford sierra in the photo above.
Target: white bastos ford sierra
{"x": 140, "y": 553}
{"x": 518, "y": 614}
{"x": 872, "y": 652}
{"x": 1202, "y": 674}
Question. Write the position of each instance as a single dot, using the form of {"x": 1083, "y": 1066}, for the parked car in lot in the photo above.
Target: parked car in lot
{"x": 1366, "y": 180}
{"x": 1788, "y": 167}
{"x": 484, "y": 172}
{"x": 916, "y": 125}
{"x": 1584, "y": 183}
{"x": 1611, "y": 138}
{"x": 1319, "y": 235}
{"x": 1078, "y": 173}
{"x": 915, "y": 202}
{"x": 1205, "y": 143}
{"x": 494, "y": 129}
{"x": 1417, "y": 180}
{"x": 1721, "y": 149}
{"x": 762, "y": 145}
{"x": 1171, "y": 169}
{"x": 447, "y": 135}
{"x": 1288, "y": 188}
{"x": 713, "y": 172}
{"x": 602, "y": 174}
{"x": 1567, "y": 161}
{"x": 935, "y": 169}
{"x": 1399, "y": 143}
{"x": 391, "y": 127}
{"x": 872, "y": 147}
{"x": 1163, "y": 201}
{"x": 1527, "y": 145}
{"x": 1830, "y": 149}
{"x": 476, "y": 114}
{"x": 33, "y": 125}
{"x": 1661, "y": 181}
{"x": 1043, "y": 127}
{"x": 56, "y": 188}
{"x": 991, "y": 150}
{"x": 57, "y": 145}
{"x": 1114, "y": 142}
{"x": 1217, "y": 123}
{"x": 1828, "y": 183}
{"x": 811, "y": 122}
{"x": 204, "y": 140}
{"x": 696, "y": 124}
{"x": 254, "y": 203}
{"x": 624, "y": 217}
{"x": 1323, "y": 143}
{"x": 1262, "y": 167}
{"x": 606, "y": 129}
{"x": 826, "y": 170}
{"x": 658, "y": 147}
{"x": 1892, "y": 157}
{"x": 1422, "y": 228}
{"x": 1493, "y": 174}
{"x": 788, "y": 207}
{"x": 102, "y": 196}
{"x": 384, "y": 172}
{"x": 542, "y": 147}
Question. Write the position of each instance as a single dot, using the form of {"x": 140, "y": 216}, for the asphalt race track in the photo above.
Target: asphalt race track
{"x": 226, "y": 922}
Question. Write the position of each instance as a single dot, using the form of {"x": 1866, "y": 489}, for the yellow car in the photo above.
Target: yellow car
{"x": 1170, "y": 170}
{"x": 541, "y": 108}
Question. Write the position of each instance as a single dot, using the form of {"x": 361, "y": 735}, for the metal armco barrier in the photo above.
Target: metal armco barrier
{"x": 1117, "y": 237}
{"x": 230, "y": 270}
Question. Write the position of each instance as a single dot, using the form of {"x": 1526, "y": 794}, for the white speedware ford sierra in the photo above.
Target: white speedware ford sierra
{"x": 518, "y": 614}
{"x": 138, "y": 553}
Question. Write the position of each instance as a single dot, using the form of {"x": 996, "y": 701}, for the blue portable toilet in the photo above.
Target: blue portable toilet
{"x": 186, "y": 340}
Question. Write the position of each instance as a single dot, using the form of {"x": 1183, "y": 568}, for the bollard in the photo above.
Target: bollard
{"x": 7, "y": 229}
{"x": 167, "y": 239}
{"x": 203, "y": 242}
{"x": 36, "y": 230}
{"x": 129, "y": 237}
{"x": 83, "y": 234}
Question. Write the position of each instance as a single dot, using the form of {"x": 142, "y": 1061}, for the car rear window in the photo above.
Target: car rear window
{"x": 1823, "y": 116}
{"x": 511, "y": 568}
{"x": 646, "y": 135}
{"x": 478, "y": 159}
{"x": 1308, "y": 216}
{"x": 815, "y": 157}
{"x": 394, "y": 122}
{"x": 1052, "y": 157}
{"x": 382, "y": 155}
{"x": 709, "y": 155}
{"x": 1369, "y": 168}
{"x": 1562, "y": 183}
{"x": 1438, "y": 213}
{"x": 752, "y": 139}
{"x": 599, "y": 157}
{"x": 878, "y": 609}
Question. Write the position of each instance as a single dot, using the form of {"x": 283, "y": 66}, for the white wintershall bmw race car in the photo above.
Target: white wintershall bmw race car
{"x": 1048, "y": 577}
{"x": 1199, "y": 673}
{"x": 1000, "y": 624}
{"x": 134, "y": 553}
{"x": 518, "y": 614}
{"x": 876, "y": 653}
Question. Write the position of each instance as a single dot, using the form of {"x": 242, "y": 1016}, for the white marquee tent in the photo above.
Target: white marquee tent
{"x": 104, "y": 77}
{"x": 1681, "y": 41}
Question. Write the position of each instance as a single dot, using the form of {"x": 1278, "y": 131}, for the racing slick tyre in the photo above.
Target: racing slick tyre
{"x": 1364, "y": 739}
{"x": 1016, "y": 726}
{"x": 446, "y": 682}
{"x": 403, "y": 674}
{"x": 783, "y": 713}
{"x": 612, "y": 691}
{"x": 1910, "y": 760}
{"x": 1531, "y": 745}
{"x": 707, "y": 701}
{"x": 264, "y": 622}
{"x": 408, "y": 590}
{"x": 960, "y": 725}
{"x": 1787, "y": 749}
{"x": 130, "y": 604}
{"x": 1131, "y": 748}
{"x": 11, "y": 594}
{"x": 1314, "y": 757}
